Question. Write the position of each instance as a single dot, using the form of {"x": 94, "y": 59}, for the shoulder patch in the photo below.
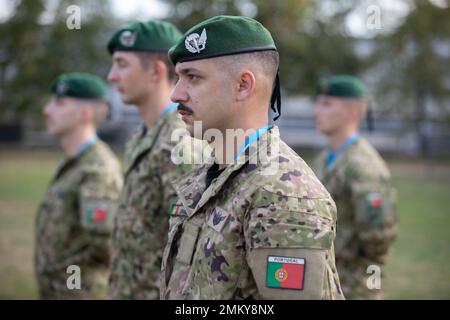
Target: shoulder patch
{"x": 95, "y": 214}
{"x": 374, "y": 200}
{"x": 285, "y": 272}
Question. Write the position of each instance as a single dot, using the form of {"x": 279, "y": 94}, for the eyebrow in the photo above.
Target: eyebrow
{"x": 118, "y": 59}
{"x": 187, "y": 70}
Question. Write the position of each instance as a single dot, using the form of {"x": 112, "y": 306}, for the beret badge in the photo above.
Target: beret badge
{"x": 128, "y": 38}
{"x": 196, "y": 43}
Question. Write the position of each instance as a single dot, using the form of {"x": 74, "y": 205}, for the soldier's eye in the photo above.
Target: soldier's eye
{"x": 122, "y": 64}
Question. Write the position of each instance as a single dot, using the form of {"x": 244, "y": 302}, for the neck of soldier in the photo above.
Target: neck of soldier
{"x": 340, "y": 136}
{"x": 226, "y": 149}
{"x": 72, "y": 141}
{"x": 153, "y": 104}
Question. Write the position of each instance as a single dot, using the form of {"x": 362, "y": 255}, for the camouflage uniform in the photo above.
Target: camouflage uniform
{"x": 359, "y": 182}
{"x": 220, "y": 239}
{"x": 140, "y": 229}
{"x": 74, "y": 223}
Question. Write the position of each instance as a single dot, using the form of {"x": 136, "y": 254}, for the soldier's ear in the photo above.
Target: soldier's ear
{"x": 356, "y": 113}
{"x": 246, "y": 84}
{"x": 159, "y": 70}
{"x": 87, "y": 113}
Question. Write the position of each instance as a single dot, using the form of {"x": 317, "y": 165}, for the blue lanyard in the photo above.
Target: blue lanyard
{"x": 171, "y": 107}
{"x": 333, "y": 155}
{"x": 89, "y": 142}
{"x": 255, "y": 136}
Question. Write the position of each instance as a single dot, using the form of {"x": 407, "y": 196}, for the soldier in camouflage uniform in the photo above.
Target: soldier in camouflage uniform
{"x": 144, "y": 77}
{"x": 359, "y": 181}
{"x": 257, "y": 224}
{"x": 74, "y": 222}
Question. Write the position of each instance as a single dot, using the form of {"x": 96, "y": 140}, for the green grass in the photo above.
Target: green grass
{"x": 417, "y": 267}
{"x": 24, "y": 177}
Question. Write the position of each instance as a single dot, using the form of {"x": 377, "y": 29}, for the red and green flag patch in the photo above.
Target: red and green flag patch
{"x": 97, "y": 215}
{"x": 285, "y": 272}
{"x": 177, "y": 210}
{"x": 375, "y": 200}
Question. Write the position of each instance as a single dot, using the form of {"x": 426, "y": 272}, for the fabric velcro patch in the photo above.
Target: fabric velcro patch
{"x": 375, "y": 200}
{"x": 95, "y": 214}
{"x": 177, "y": 210}
{"x": 218, "y": 219}
{"x": 285, "y": 272}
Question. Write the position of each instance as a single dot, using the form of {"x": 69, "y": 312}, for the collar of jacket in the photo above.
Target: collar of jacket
{"x": 328, "y": 171}
{"x": 67, "y": 163}
{"x": 141, "y": 144}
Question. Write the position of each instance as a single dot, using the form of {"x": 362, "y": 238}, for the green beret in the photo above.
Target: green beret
{"x": 220, "y": 36}
{"x": 343, "y": 86}
{"x": 80, "y": 85}
{"x": 157, "y": 36}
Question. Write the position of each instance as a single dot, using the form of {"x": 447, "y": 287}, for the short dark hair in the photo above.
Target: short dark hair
{"x": 147, "y": 56}
{"x": 266, "y": 62}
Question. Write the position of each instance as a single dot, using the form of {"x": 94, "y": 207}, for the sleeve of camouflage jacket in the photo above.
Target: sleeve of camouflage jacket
{"x": 99, "y": 192}
{"x": 290, "y": 229}
{"x": 373, "y": 201}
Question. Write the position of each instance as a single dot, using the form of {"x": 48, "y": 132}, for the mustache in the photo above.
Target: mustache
{"x": 182, "y": 107}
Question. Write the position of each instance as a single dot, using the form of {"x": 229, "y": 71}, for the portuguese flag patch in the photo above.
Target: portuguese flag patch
{"x": 96, "y": 215}
{"x": 285, "y": 272}
{"x": 177, "y": 210}
{"x": 375, "y": 200}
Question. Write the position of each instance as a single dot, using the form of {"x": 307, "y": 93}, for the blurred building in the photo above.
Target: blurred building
{"x": 392, "y": 134}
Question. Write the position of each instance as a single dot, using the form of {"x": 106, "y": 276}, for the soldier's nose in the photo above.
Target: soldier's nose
{"x": 112, "y": 76}
{"x": 178, "y": 95}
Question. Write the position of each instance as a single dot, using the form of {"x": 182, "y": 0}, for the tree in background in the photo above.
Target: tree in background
{"x": 37, "y": 45}
{"x": 309, "y": 47}
{"x": 415, "y": 64}
{"x": 20, "y": 48}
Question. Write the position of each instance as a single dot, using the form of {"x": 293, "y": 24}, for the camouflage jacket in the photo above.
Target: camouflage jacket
{"x": 359, "y": 182}
{"x": 74, "y": 222}
{"x": 141, "y": 225}
{"x": 263, "y": 229}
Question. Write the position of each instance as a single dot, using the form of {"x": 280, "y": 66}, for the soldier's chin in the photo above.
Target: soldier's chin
{"x": 54, "y": 132}
{"x": 50, "y": 129}
{"x": 320, "y": 128}
{"x": 126, "y": 99}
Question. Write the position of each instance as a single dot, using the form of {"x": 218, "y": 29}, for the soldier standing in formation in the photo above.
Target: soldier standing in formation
{"x": 359, "y": 182}
{"x": 257, "y": 223}
{"x": 74, "y": 221}
{"x": 145, "y": 78}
